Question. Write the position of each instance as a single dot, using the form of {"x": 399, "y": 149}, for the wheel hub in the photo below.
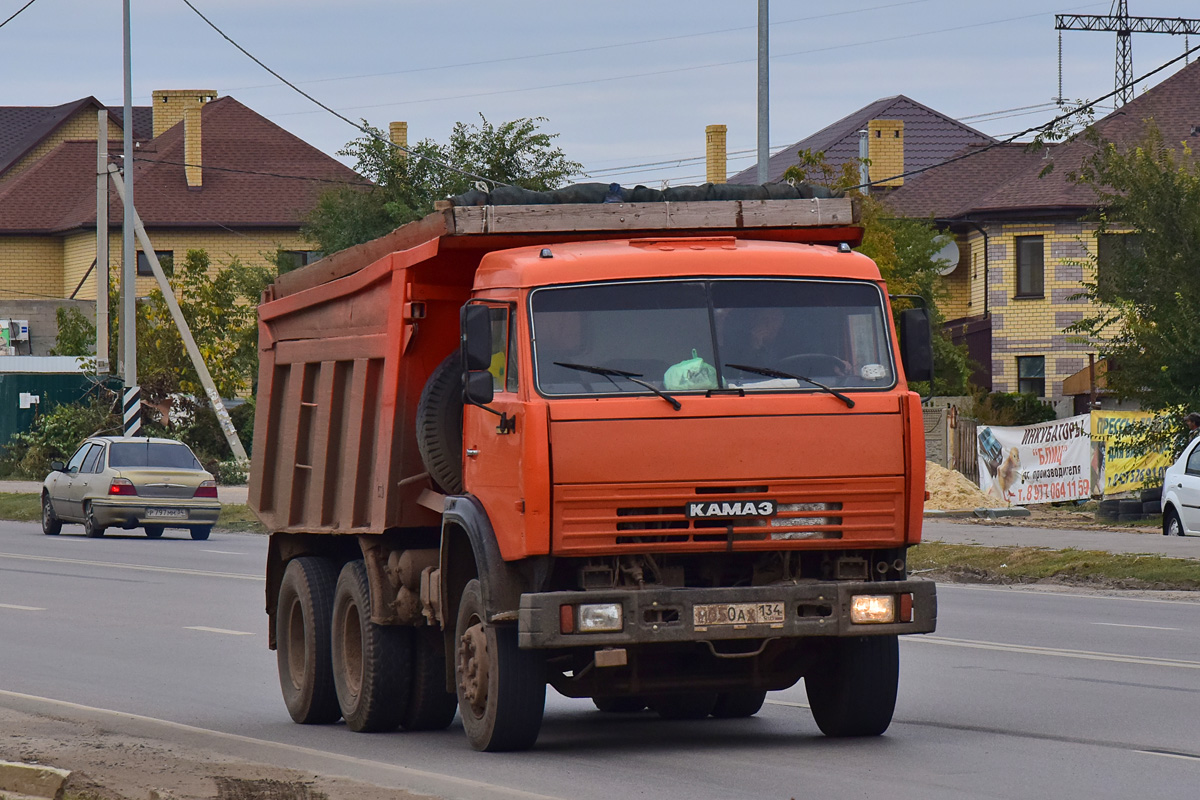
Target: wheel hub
{"x": 474, "y": 666}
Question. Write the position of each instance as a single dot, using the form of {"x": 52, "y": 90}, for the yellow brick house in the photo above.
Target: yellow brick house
{"x": 1026, "y": 243}
{"x": 209, "y": 173}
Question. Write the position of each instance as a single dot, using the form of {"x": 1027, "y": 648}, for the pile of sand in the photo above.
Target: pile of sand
{"x": 950, "y": 490}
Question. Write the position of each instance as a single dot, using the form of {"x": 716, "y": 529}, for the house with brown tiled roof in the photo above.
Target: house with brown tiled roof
{"x": 1026, "y": 242}
{"x": 209, "y": 173}
{"x": 902, "y": 134}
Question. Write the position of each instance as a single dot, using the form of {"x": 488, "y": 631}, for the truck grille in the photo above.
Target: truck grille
{"x": 610, "y": 518}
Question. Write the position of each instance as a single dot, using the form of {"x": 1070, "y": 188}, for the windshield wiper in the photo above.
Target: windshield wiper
{"x": 774, "y": 373}
{"x": 633, "y": 377}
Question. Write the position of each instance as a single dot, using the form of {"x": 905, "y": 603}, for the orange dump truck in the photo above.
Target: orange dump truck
{"x": 659, "y": 455}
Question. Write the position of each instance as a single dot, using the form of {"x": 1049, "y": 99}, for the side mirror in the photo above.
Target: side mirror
{"x": 476, "y": 321}
{"x": 57, "y": 466}
{"x": 916, "y": 344}
{"x": 480, "y": 390}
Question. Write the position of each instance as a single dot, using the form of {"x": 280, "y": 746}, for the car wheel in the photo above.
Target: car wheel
{"x": 430, "y": 706}
{"x": 852, "y": 690}
{"x": 51, "y": 525}
{"x": 154, "y": 531}
{"x": 690, "y": 705}
{"x": 91, "y": 528}
{"x": 1171, "y": 524}
{"x": 303, "y": 625}
{"x": 619, "y": 704}
{"x": 200, "y": 534}
{"x": 736, "y": 705}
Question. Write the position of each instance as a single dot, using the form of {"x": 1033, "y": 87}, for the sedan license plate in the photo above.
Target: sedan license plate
{"x": 166, "y": 513}
{"x": 737, "y": 614}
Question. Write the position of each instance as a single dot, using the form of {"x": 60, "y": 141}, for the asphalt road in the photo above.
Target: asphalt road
{"x": 1020, "y": 693}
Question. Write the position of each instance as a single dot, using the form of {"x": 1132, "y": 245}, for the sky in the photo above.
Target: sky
{"x": 628, "y": 86}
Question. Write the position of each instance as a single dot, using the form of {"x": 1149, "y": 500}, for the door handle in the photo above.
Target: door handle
{"x": 472, "y": 452}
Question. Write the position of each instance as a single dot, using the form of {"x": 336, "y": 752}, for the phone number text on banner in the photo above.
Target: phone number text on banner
{"x": 1045, "y": 463}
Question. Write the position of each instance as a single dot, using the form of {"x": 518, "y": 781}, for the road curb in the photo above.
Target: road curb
{"x": 32, "y": 780}
{"x": 981, "y": 513}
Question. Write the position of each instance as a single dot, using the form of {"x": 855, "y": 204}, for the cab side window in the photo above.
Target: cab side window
{"x": 1193, "y": 462}
{"x": 504, "y": 352}
{"x": 77, "y": 459}
{"x": 90, "y": 460}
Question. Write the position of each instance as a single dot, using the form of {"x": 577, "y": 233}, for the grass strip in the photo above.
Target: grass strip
{"x": 28, "y": 508}
{"x": 977, "y": 564}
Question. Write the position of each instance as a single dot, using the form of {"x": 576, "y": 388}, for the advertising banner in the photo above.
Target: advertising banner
{"x": 1045, "y": 463}
{"x": 1117, "y": 469}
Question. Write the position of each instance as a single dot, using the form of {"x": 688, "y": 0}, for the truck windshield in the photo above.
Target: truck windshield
{"x": 684, "y": 336}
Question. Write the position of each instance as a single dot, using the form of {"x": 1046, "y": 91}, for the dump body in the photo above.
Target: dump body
{"x": 688, "y": 464}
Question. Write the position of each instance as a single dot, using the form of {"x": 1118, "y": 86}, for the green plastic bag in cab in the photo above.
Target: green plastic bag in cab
{"x": 694, "y": 373}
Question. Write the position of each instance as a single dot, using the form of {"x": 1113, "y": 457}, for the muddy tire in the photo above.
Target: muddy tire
{"x": 501, "y": 688}
{"x": 51, "y": 524}
{"x": 439, "y": 425}
{"x": 619, "y": 705}
{"x": 852, "y": 691}
{"x": 303, "y": 623}
{"x": 430, "y": 706}
{"x": 154, "y": 531}
{"x": 691, "y": 705}
{"x": 371, "y": 663}
{"x": 736, "y": 705}
{"x": 91, "y": 528}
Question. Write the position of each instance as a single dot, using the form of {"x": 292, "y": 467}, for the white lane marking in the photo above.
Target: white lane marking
{"x": 1184, "y": 756}
{"x": 1087, "y": 655}
{"x": 786, "y": 703}
{"x": 1052, "y": 593}
{"x": 1145, "y": 627}
{"x": 223, "y": 552}
{"x": 137, "y": 567}
{"x": 422, "y": 781}
{"x": 217, "y": 630}
{"x": 21, "y": 608}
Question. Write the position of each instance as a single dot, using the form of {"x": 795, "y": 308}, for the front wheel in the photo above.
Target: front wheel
{"x": 736, "y": 705}
{"x": 501, "y": 688}
{"x": 51, "y": 524}
{"x": 200, "y": 534}
{"x": 303, "y": 620}
{"x": 852, "y": 691}
{"x": 690, "y": 705}
{"x": 430, "y": 706}
{"x": 154, "y": 531}
{"x": 619, "y": 704}
{"x": 1172, "y": 526}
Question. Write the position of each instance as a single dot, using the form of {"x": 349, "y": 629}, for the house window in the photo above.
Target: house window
{"x": 166, "y": 258}
{"x": 1031, "y": 375}
{"x": 1112, "y": 251}
{"x": 294, "y": 259}
{"x": 1031, "y": 266}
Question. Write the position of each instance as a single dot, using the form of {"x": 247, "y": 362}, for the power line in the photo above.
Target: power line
{"x": 15, "y": 13}
{"x": 347, "y": 120}
{"x": 364, "y": 183}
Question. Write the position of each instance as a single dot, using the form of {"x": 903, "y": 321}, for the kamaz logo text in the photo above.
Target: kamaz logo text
{"x": 749, "y": 508}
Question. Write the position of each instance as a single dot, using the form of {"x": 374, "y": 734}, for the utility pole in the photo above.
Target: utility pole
{"x": 1124, "y": 26}
{"x": 131, "y": 407}
{"x": 102, "y": 366}
{"x": 764, "y": 95}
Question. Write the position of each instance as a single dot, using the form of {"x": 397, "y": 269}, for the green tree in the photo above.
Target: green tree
{"x": 1146, "y": 297}
{"x": 406, "y": 185}
{"x": 905, "y": 250}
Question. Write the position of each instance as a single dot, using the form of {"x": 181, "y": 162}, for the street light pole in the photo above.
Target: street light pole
{"x": 131, "y": 405}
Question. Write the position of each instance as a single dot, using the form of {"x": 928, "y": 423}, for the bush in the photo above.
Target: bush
{"x": 57, "y": 433}
{"x": 1010, "y": 409}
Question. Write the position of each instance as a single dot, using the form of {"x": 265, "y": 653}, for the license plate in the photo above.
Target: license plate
{"x": 166, "y": 513}
{"x": 737, "y": 614}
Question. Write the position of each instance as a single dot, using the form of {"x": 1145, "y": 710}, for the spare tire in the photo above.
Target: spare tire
{"x": 1152, "y": 495}
{"x": 439, "y": 425}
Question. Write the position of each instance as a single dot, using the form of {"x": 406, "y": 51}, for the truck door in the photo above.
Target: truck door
{"x": 492, "y": 436}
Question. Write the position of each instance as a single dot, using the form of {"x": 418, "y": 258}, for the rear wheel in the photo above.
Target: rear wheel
{"x": 302, "y": 632}
{"x": 371, "y": 663}
{"x": 154, "y": 531}
{"x": 852, "y": 692}
{"x": 619, "y": 705}
{"x": 501, "y": 688}
{"x": 51, "y": 524}
{"x": 91, "y": 528}
{"x": 734, "y": 705}
{"x": 430, "y": 706}
{"x": 200, "y": 534}
{"x": 691, "y": 705}
{"x": 1171, "y": 523}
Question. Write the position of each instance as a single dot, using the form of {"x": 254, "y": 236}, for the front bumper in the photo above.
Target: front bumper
{"x": 820, "y": 608}
{"x": 134, "y": 512}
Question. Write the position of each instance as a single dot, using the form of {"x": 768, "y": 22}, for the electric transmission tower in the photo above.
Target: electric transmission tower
{"x": 1119, "y": 21}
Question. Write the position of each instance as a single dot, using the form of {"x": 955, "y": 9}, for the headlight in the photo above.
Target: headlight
{"x": 868, "y": 608}
{"x": 600, "y": 618}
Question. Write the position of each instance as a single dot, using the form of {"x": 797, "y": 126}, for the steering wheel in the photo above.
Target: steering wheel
{"x": 814, "y": 364}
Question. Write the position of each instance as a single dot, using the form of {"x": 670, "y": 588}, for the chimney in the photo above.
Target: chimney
{"x": 715, "y": 153}
{"x": 398, "y": 131}
{"x": 169, "y": 105}
{"x": 192, "y": 158}
{"x": 886, "y": 146}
